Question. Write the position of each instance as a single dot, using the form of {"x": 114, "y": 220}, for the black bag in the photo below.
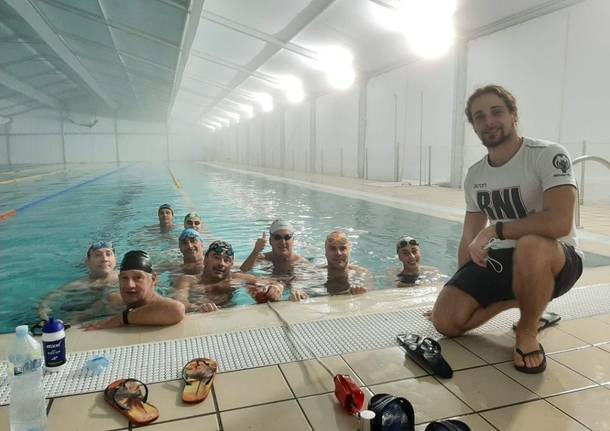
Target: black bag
{"x": 391, "y": 413}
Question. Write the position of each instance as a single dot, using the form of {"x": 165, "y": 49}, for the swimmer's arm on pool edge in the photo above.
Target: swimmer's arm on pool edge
{"x": 160, "y": 312}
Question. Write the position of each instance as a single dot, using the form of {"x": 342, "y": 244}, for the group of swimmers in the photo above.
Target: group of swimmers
{"x": 206, "y": 281}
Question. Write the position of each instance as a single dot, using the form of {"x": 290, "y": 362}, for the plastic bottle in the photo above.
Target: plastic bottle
{"x": 54, "y": 345}
{"x": 28, "y": 407}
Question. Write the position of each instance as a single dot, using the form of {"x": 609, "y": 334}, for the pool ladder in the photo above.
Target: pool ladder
{"x": 580, "y": 193}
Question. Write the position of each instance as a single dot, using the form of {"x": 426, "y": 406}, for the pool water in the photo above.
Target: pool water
{"x": 43, "y": 247}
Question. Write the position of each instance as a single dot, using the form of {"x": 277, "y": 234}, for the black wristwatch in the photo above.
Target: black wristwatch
{"x": 500, "y": 230}
{"x": 125, "y": 315}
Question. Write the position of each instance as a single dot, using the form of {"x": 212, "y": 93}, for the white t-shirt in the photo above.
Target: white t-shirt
{"x": 515, "y": 189}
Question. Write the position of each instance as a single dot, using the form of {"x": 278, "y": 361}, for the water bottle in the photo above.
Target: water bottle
{"x": 28, "y": 408}
{"x": 54, "y": 345}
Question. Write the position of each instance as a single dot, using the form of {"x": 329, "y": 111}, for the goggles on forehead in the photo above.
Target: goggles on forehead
{"x": 402, "y": 242}
{"x": 220, "y": 247}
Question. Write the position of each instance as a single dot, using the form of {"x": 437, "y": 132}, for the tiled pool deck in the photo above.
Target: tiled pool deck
{"x": 485, "y": 392}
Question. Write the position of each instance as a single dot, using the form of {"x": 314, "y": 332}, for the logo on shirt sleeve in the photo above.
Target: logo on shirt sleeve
{"x": 562, "y": 162}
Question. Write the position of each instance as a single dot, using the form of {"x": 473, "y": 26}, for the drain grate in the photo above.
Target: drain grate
{"x": 163, "y": 361}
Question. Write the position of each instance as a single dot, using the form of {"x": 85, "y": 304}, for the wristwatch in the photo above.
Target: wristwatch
{"x": 125, "y": 315}
{"x": 500, "y": 230}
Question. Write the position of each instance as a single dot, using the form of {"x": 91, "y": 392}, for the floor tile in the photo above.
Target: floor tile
{"x": 589, "y": 329}
{"x": 309, "y": 377}
{"x": 486, "y": 388}
{"x": 325, "y": 414}
{"x": 492, "y": 348}
{"x": 199, "y": 423}
{"x": 590, "y": 407}
{"x": 603, "y": 317}
{"x": 605, "y": 346}
{"x": 556, "y": 379}
{"x": 384, "y": 365}
{"x": 282, "y": 416}
{"x": 430, "y": 399}
{"x": 167, "y": 397}
{"x": 536, "y": 415}
{"x": 4, "y": 418}
{"x": 591, "y": 362}
{"x": 250, "y": 387}
{"x": 458, "y": 356}
{"x": 556, "y": 340}
{"x": 475, "y": 422}
{"x": 84, "y": 412}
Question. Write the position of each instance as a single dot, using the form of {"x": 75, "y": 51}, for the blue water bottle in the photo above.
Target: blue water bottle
{"x": 54, "y": 344}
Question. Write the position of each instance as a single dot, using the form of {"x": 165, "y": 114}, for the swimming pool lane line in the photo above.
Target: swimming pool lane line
{"x": 11, "y": 213}
{"x": 187, "y": 199}
{"x": 29, "y": 177}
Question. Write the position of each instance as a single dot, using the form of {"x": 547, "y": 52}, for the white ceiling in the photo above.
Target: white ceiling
{"x": 155, "y": 59}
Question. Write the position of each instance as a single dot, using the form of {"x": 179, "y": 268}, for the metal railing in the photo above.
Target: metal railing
{"x": 580, "y": 190}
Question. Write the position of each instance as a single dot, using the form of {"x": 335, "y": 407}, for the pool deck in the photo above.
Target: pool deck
{"x": 485, "y": 392}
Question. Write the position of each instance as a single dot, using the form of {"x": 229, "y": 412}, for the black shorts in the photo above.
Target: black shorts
{"x": 488, "y": 286}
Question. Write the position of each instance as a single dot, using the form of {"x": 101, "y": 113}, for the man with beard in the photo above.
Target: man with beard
{"x": 281, "y": 256}
{"x": 215, "y": 286}
{"x": 518, "y": 246}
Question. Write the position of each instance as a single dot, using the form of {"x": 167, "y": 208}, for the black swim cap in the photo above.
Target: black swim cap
{"x": 220, "y": 247}
{"x": 164, "y": 207}
{"x": 136, "y": 259}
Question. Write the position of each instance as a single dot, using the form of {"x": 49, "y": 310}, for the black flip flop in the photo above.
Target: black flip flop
{"x": 447, "y": 425}
{"x": 531, "y": 370}
{"x": 426, "y": 352}
{"x": 548, "y": 319}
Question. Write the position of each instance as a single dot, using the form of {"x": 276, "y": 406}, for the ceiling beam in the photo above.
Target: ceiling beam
{"x": 230, "y": 65}
{"x": 188, "y": 36}
{"x": 32, "y": 16}
{"x": 24, "y": 88}
{"x": 248, "y": 31}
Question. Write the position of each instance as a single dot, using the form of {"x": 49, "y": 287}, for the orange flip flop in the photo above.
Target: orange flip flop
{"x": 129, "y": 396}
{"x": 198, "y": 375}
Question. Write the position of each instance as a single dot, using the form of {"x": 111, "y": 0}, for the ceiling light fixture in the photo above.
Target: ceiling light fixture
{"x": 337, "y": 64}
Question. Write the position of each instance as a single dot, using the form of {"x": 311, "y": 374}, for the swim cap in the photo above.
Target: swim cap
{"x": 337, "y": 237}
{"x": 220, "y": 247}
{"x": 405, "y": 240}
{"x": 98, "y": 245}
{"x": 189, "y": 234}
{"x": 191, "y": 216}
{"x": 136, "y": 259}
{"x": 166, "y": 206}
{"x": 279, "y": 225}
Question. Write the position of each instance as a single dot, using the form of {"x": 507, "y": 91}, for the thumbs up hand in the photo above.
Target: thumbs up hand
{"x": 261, "y": 243}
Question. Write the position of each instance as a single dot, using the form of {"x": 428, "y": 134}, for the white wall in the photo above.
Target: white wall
{"x": 37, "y": 138}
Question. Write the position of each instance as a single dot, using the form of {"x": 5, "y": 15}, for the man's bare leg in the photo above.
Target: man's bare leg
{"x": 536, "y": 262}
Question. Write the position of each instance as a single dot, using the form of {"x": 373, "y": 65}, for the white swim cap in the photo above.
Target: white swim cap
{"x": 279, "y": 225}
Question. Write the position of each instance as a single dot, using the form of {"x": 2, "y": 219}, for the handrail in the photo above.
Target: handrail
{"x": 582, "y": 159}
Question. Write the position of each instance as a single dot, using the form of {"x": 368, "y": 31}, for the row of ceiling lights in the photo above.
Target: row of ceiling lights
{"x": 427, "y": 26}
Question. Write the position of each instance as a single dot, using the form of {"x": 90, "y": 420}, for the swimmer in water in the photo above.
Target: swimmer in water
{"x": 216, "y": 284}
{"x": 414, "y": 274}
{"x": 193, "y": 221}
{"x": 166, "y": 218}
{"x": 342, "y": 277}
{"x": 191, "y": 247}
{"x": 102, "y": 279}
{"x": 142, "y": 305}
{"x": 281, "y": 256}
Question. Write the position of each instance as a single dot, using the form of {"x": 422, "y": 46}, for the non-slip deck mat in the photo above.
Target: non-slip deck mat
{"x": 163, "y": 361}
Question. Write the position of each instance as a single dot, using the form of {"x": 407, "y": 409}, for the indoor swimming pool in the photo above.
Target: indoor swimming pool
{"x": 60, "y": 214}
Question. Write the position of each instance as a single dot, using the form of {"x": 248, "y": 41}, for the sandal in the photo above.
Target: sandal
{"x": 547, "y": 320}
{"x": 427, "y": 352}
{"x": 198, "y": 375}
{"x": 531, "y": 370}
{"x": 447, "y": 425}
{"x": 129, "y": 396}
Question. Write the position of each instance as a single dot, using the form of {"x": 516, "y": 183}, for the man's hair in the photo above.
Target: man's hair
{"x": 498, "y": 90}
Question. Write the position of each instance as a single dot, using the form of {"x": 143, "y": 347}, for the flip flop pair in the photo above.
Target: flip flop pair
{"x": 129, "y": 396}
{"x": 548, "y": 319}
{"x": 426, "y": 352}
